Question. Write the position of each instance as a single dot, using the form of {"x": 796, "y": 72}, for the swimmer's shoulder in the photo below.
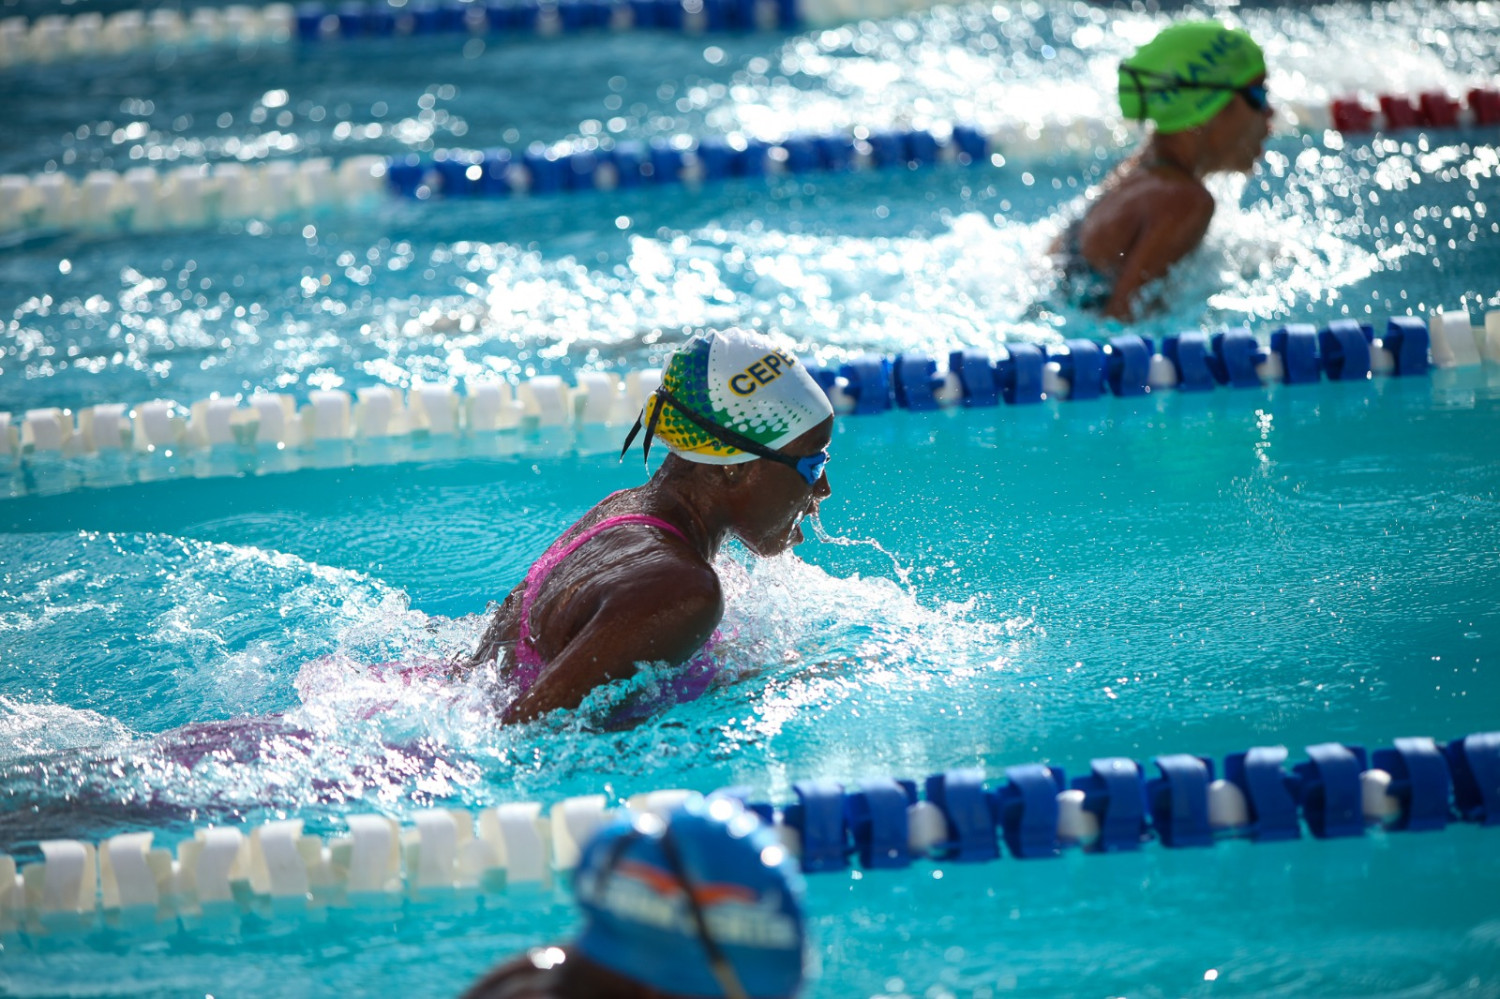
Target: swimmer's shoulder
{"x": 1168, "y": 188}
{"x": 680, "y": 574}
{"x": 647, "y": 572}
{"x": 1160, "y": 202}
{"x": 677, "y": 598}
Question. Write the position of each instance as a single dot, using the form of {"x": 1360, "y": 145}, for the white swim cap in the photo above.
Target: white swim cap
{"x": 739, "y": 382}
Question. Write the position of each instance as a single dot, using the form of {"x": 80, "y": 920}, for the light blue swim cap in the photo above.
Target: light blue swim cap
{"x": 633, "y": 881}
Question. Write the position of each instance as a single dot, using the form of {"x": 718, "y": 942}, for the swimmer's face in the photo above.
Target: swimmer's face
{"x": 777, "y": 497}
{"x": 1237, "y": 135}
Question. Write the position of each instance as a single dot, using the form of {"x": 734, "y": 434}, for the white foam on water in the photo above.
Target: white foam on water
{"x": 29, "y": 728}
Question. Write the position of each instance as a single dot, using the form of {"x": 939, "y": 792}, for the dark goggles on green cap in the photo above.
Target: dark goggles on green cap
{"x": 1145, "y": 81}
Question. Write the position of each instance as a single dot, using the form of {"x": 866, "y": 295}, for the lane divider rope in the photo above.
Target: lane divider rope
{"x": 57, "y": 37}
{"x": 275, "y": 870}
{"x": 54, "y": 449}
{"x": 191, "y": 196}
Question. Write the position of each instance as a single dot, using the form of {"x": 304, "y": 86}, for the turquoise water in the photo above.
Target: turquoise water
{"x": 1065, "y": 581}
{"x": 995, "y": 587}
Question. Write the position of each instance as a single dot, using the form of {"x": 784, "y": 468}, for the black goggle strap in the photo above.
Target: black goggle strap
{"x": 1140, "y": 88}
{"x": 615, "y": 855}
{"x": 718, "y": 961}
{"x": 650, "y": 433}
{"x": 722, "y": 434}
{"x": 1145, "y": 81}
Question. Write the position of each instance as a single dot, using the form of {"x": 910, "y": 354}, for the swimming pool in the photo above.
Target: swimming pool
{"x": 1182, "y": 573}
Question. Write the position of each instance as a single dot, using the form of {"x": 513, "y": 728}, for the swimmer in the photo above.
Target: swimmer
{"x": 706, "y": 903}
{"x": 1203, "y": 86}
{"x": 633, "y": 581}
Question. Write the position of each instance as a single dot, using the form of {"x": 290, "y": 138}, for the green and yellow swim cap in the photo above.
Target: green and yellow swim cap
{"x": 1187, "y": 74}
{"x": 739, "y": 381}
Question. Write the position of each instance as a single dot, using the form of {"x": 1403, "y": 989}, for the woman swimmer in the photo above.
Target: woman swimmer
{"x": 1203, "y": 86}
{"x": 633, "y": 581}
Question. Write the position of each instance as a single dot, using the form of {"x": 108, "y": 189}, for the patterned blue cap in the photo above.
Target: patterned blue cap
{"x": 640, "y": 924}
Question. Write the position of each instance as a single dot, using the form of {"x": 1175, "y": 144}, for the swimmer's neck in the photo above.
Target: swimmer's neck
{"x": 1178, "y": 152}
{"x": 683, "y": 494}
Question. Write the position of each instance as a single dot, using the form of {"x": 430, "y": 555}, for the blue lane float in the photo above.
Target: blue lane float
{"x": 969, "y": 811}
{"x": 820, "y": 818}
{"x": 1338, "y": 792}
{"x": 556, "y": 169}
{"x": 1019, "y": 374}
{"x": 1407, "y": 339}
{"x": 1026, "y": 805}
{"x": 917, "y": 384}
{"x": 1114, "y": 792}
{"x": 1345, "y": 348}
{"x": 975, "y": 370}
{"x": 1191, "y": 354}
{"x": 1179, "y": 800}
{"x": 878, "y": 823}
{"x": 1085, "y": 369}
{"x": 1082, "y": 364}
{"x": 1237, "y": 357}
{"x": 1329, "y": 790}
{"x": 1420, "y": 780}
{"x": 1128, "y": 365}
{"x": 319, "y": 23}
{"x": 1296, "y": 344}
{"x": 1270, "y": 792}
{"x": 1474, "y": 762}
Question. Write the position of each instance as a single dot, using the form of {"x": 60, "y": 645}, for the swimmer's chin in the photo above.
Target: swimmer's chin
{"x": 792, "y": 539}
{"x": 796, "y": 537}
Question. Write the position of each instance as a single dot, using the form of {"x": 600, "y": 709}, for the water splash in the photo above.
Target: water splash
{"x": 903, "y": 573}
{"x": 375, "y": 723}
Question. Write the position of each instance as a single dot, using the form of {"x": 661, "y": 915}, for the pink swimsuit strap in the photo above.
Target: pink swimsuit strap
{"x": 529, "y": 664}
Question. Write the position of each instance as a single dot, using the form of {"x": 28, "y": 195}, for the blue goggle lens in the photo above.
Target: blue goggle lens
{"x": 1257, "y": 97}
{"x": 811, "y": 467}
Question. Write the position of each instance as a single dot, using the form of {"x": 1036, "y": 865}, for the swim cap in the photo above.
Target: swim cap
{"x": 739, "y": 381}
{"x": 1158, "y": 81}
{"x": 639, "y": 923}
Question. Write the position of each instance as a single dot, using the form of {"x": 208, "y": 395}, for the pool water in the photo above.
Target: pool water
{"x": 1066, "y": 581}
{"x": 992, "y": 587}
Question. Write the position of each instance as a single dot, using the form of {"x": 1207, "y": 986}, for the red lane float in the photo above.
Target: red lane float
{"x": 1430, "y": 109}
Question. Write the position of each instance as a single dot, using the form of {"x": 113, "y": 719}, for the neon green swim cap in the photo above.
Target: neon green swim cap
{"x": 1187, "y": 74}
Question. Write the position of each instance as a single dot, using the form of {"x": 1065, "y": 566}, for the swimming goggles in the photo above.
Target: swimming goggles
{"x": 718, "y": 962}
{"x": 1148, "y": 82}
{"x": 810, "y": 466}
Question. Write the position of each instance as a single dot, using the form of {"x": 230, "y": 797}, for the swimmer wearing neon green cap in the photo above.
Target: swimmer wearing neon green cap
{"x": 633, "y": 581}
{"x": 1202, "y": 85}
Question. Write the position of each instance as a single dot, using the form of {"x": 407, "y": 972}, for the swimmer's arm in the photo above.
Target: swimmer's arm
{"x": 633, "y": 624}
{"x": 1179, "y": 218}
{"x": 495, "y": 638}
